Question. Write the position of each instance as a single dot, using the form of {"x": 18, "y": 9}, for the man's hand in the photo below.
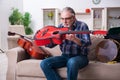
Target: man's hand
{"x": 70, "y": 37}
{"x": 73, "y": 38}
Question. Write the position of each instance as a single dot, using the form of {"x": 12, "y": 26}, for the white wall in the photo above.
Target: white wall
{"x": 5, "y": 8}
{"x": 3, "y": 23}
{"x": 35, "y": 8}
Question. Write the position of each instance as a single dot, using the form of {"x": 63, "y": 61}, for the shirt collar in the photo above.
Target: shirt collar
{"x": 74, "y": 25}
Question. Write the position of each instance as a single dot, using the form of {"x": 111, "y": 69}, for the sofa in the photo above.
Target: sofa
{"x": 22, "y": 67}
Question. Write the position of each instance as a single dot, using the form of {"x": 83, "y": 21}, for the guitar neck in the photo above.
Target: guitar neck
{"x": 85, "y": 32}
{"x": 76, "y": 32}
{"x": 13, "y": 33}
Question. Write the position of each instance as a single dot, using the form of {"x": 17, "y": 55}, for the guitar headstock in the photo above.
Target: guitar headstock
{"x": 11, "y": 33}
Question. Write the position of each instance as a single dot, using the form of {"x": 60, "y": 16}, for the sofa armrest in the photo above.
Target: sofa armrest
{"x": 14, "y": 55}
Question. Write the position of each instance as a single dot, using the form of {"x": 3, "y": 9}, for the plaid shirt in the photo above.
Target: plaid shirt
{"x": 69, "y": 47}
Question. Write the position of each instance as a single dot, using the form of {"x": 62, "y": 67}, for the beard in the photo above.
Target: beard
{"x": 66, "y": 25}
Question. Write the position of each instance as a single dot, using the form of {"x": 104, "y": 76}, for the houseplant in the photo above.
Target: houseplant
{"x": 19, "y": 19}
{"x": 16, "y": 17}
{"x": 26, "y": 22}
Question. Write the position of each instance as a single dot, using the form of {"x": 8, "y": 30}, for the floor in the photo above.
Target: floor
{"x": 3, "y": 66}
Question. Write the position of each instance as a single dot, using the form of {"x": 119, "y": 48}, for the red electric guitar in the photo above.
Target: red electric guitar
{"x": 56, "y": 35}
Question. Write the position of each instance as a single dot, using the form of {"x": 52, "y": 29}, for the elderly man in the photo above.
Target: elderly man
{"x": 74, "y": 49}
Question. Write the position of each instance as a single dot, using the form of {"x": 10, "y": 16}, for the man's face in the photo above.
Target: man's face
{"x": 67, "y": 18}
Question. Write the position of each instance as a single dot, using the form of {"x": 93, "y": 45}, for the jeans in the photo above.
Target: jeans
{"x": 73, "y": 64}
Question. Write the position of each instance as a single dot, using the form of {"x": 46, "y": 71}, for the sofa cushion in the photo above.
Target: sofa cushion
{"x": 55, "y": 51}
{"x": 30, "y": 67}
{"x": 92, "y": 48}
{"x": 95, "y": 70}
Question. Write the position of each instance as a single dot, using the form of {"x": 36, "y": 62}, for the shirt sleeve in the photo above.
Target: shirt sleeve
{"x": 85, "y": 38}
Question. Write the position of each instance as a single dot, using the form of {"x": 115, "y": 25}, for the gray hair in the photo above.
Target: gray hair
{"x": 69, "y": 9}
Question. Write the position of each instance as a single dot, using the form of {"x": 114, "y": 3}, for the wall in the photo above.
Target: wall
{"x": 35, "y": 8}
{"x": 5, "y": 7}
{"x": 3, "y": 23}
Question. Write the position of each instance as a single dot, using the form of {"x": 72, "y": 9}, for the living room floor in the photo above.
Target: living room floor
{"x": 3, "y": 66}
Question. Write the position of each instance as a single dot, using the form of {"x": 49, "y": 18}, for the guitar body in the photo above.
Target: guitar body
{"x": 49, "y": 34}
{"x": 33, "y": 50}
{"x": 21, "y": 42}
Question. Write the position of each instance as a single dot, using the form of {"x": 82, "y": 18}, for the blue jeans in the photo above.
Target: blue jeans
{"x": 73, "y": 64}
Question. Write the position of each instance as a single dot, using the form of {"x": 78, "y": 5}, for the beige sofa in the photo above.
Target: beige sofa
{"x": 22, "y": 67}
